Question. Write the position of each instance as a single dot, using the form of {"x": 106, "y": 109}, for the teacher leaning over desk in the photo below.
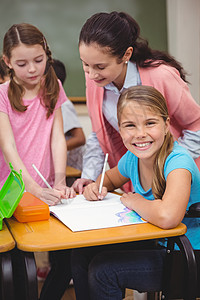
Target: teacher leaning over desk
{"x": 114, "y": 62}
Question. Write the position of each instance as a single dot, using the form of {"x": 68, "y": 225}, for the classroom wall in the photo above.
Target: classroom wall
{"x": 61, "y": 21}
{"x": 183, "y": 23}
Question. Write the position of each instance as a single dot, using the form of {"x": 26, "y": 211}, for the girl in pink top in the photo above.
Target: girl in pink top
{"x": 32, "y": 133}
{"x": 115, "y": 57}
{"x": 30, "y": 115}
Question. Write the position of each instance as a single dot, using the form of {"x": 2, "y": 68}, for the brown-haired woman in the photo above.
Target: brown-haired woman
{"x": 115, "y": 57}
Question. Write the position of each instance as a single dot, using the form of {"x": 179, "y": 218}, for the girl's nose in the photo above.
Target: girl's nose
{"x": 31, "y": 68}
{"x": 141, "y": 132}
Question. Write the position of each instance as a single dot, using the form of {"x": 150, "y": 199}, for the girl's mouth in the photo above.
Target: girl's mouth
{"x": 143, "y": 146}
{"x": 33, "y": 77}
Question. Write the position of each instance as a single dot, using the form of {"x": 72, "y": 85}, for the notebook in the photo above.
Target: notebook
{"x": 79, "y": 214}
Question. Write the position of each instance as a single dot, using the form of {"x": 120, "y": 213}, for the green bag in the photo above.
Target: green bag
{"x": 10, "y": 194}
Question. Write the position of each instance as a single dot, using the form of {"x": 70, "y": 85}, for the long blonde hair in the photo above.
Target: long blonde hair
{"x": 30, "y": 35}
{"x": 153, "y": 99}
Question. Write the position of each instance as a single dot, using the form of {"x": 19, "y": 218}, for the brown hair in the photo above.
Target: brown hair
{"x": 117, "y": 31}
{"x": 3, "y": 70}
{"x": 30, "y": 35}
{"x": 153, "y": 99}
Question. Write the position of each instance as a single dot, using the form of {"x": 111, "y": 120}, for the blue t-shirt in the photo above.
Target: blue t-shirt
{"x": 179, "y": 158}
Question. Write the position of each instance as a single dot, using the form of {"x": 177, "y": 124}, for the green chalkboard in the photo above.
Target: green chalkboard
{"x": 61, "y": 21}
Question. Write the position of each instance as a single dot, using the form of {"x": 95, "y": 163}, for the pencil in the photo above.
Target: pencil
{"x": 41, "y": 176}
{"x": 103, "y": 173}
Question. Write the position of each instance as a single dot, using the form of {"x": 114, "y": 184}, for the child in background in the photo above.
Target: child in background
{"x": 166, "y": 181}
{"x": 4, "y": 76}
{"x": 73, "y": 131}
{"x": 32, "y": 131}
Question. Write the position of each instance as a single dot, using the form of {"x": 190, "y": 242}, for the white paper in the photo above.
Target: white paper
{"x": 80, "y": 214}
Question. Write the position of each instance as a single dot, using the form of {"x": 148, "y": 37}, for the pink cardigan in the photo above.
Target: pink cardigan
{"x": 183, "y": 110}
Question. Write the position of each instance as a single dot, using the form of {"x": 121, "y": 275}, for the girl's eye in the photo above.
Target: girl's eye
{"x": 150, "y": 123}
{"x": 21, "y": 65}
{"x": 39, "y": 60}
{"x": 129, "y": 126}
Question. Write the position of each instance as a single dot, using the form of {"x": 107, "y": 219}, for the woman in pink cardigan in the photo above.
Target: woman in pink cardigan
{"x": 115, "y": 57}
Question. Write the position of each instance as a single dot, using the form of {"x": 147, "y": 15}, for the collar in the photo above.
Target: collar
{"x": 131, "y": 79}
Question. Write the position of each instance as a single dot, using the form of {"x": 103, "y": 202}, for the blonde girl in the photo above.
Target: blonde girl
{"x": 165, "y": 179}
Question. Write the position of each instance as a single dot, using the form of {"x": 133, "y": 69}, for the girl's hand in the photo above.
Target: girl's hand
{"x": 91, "y": 192}
{"x": 66, "y": 192}
{"x": 50, "y": 196}
{"x": 69, "y": 192}
{"x": 129, "y": 199}
{"x": 80, "y": 183}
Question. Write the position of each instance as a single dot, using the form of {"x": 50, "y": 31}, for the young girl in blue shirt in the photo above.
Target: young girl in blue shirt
{"x": 166, "y": 181}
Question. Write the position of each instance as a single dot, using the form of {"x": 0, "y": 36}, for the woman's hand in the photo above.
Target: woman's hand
{"x": 80, "y": 183}
{"x": 91, "y": 192}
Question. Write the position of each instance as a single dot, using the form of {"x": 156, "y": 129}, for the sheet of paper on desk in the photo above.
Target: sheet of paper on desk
{"x": 80, "y": 214}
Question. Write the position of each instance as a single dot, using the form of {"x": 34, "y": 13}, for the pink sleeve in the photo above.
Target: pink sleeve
{"x": 183, "y": 110}
{"x": 4, "y": 101}
{"x": 62, "y": 96}
{"x": 187, "y": 112}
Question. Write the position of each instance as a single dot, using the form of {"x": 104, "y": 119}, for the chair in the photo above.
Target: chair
{"x": 193, "y": 211}
{"x": 181, "y": 274}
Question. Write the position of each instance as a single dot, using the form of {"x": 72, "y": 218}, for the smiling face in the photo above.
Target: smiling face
{"x": 102, "y": 67}
{"x": 28, "y": 63}
{"x": 142, "y": 130}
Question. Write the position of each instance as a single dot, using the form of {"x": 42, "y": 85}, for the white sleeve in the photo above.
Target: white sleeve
{"x": 93, "y": 158}
{"x": 70, "y": 118}
{"x": 191, "y": 141}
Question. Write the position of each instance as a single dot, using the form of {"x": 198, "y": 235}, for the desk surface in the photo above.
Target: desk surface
{"x": 6, "y": 240}
{"x": 53, "y": 235}
{"x": 72, "y": 172}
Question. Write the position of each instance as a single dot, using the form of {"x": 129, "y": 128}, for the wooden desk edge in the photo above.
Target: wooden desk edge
{"x": 8, "y": 247}
{"x": 9, "y": 242}
{"x": 78, "y": 100}
{"x": 87, "y": 238}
